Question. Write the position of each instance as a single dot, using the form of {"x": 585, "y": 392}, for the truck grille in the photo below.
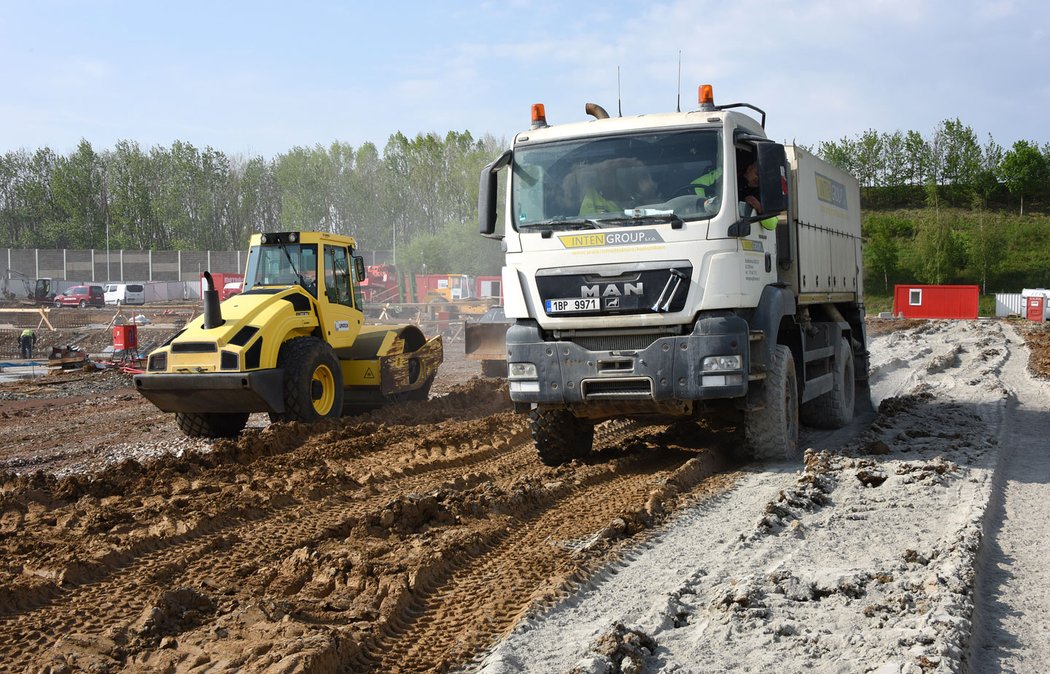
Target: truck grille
{"x": 616, "y": 342}
{"x": 637, "y": 388}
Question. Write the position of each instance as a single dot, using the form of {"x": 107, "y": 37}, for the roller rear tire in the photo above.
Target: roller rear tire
{"x": 211, "y": 424}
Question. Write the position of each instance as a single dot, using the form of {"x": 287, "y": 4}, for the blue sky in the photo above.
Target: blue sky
{"x": 262, "y": 77}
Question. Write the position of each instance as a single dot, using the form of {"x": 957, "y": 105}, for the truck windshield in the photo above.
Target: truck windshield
{"x": 618, "y": 180}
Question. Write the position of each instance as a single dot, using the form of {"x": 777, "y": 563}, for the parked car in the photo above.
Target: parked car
{"x": 81, "y": 296}
{"x": 125, "y": 293}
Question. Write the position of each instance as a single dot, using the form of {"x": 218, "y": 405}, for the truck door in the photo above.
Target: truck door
{"x": 759, "y": 246}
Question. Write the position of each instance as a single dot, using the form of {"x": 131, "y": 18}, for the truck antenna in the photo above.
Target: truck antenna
{"x": 678, "y": 103}
{"x": 619, "y": 101}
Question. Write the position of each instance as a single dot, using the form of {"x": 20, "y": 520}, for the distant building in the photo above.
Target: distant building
{"x": 935, "y": 301}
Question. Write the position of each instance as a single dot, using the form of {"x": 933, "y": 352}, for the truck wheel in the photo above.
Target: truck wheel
{"x": 211, "y": 424}
{"x": 313, "y": 381}
{"x": 494, "y": 368}
{"x": 560, "y": 436}
{"x": 834, "y": 409}
{"x": 771, "y": 427}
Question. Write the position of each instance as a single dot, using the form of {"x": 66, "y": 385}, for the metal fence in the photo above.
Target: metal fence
{"x": 1015, "y": 304}
{"x": 136, "y": 266}
{"x": 1009, "y": 304}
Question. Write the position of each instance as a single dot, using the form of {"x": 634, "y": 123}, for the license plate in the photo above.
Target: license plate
{"x": 572, "y": 304}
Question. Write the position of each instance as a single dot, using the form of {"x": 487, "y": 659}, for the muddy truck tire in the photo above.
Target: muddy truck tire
{"x": 560, "y": 436}
{"x": 771, "y": 422}
{"x": 834, "y": 409}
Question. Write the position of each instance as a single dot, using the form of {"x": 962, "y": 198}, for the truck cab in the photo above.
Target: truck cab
{"x": 642, "y": 281}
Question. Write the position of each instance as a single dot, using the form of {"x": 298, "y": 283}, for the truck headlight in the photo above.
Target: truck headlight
{"x": 721, "y": 363}
{"x": 521, "y": 371}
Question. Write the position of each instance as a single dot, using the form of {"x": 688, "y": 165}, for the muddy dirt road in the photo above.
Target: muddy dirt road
{"x": 415, "y": 539}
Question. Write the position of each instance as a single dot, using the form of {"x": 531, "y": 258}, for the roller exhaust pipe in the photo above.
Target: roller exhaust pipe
{"x": 212, "y": 313}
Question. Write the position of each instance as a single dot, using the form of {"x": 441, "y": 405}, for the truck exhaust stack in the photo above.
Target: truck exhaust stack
{"x": 596, "y": 111}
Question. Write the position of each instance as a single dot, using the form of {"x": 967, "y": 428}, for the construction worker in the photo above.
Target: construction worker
{"x": 26, "y": 342}
{"x": 594, "y": 202}
{"x": 704, "y": 186}
{"x": 600, "y": 190}
{"x": 748, "y": 193}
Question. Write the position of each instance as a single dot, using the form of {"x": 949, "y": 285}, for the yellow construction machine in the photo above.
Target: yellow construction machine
{"x": 293, "y": 343}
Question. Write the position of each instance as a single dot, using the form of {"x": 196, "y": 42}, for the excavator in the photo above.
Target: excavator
{"x": 36, "y": 291}
{"x": 293, "y": 344}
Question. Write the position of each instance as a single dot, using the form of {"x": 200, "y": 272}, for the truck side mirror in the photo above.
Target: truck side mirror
{"x": 487, "y": 193}
{"x": 359, "y": 268}
{"x": 772, "y": 177}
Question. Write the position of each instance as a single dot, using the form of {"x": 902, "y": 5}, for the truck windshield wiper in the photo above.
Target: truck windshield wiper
{"x": 633, "y": 220}
{"x": 563, "y": 223}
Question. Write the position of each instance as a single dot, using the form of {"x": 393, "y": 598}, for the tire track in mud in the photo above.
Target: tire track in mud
{"x": 248, "y": 518}
{"x": 228, "y": 548}
{"x": 533, "y": 560}
{"x": 375, "y": 473}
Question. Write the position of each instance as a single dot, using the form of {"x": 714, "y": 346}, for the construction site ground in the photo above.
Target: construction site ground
{"x": 428, "y": 537}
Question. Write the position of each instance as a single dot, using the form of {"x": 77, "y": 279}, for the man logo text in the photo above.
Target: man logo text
{"x": 611, "y": 290}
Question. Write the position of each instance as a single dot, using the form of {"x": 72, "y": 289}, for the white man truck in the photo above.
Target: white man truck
{"x": 641, "y": 282}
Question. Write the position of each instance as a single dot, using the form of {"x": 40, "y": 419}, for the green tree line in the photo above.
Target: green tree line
{"x": 943, "y": 208}
{"x": 187, "y": 198}
{"x": 949, "y": 209}
{"x": 950, "y": 168}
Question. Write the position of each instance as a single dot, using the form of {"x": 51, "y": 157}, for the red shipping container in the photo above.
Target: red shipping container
{"x": 125, "y": 337}
{"x": 935, "y": 301}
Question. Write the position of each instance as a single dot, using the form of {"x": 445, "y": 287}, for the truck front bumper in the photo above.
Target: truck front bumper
{"x": 668, "y": 369}
{"x": 256, "y": 391}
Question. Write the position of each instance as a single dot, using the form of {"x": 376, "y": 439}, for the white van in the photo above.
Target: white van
{"x": 125, "y": 293}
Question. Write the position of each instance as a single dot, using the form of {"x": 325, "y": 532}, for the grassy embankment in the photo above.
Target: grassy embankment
{"x": 1001, "y": 252}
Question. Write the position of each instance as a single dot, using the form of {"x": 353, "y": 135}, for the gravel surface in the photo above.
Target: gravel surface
{"x": 867, "y": 559}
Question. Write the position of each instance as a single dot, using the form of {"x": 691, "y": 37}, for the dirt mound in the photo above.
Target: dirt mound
{"x": 1037, "y": 337}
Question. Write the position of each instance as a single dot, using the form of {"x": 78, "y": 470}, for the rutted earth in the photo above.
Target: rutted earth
{"x": 429, "y": 538}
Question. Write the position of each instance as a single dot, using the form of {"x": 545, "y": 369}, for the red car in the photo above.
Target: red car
{"x": 82, "y": 296}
